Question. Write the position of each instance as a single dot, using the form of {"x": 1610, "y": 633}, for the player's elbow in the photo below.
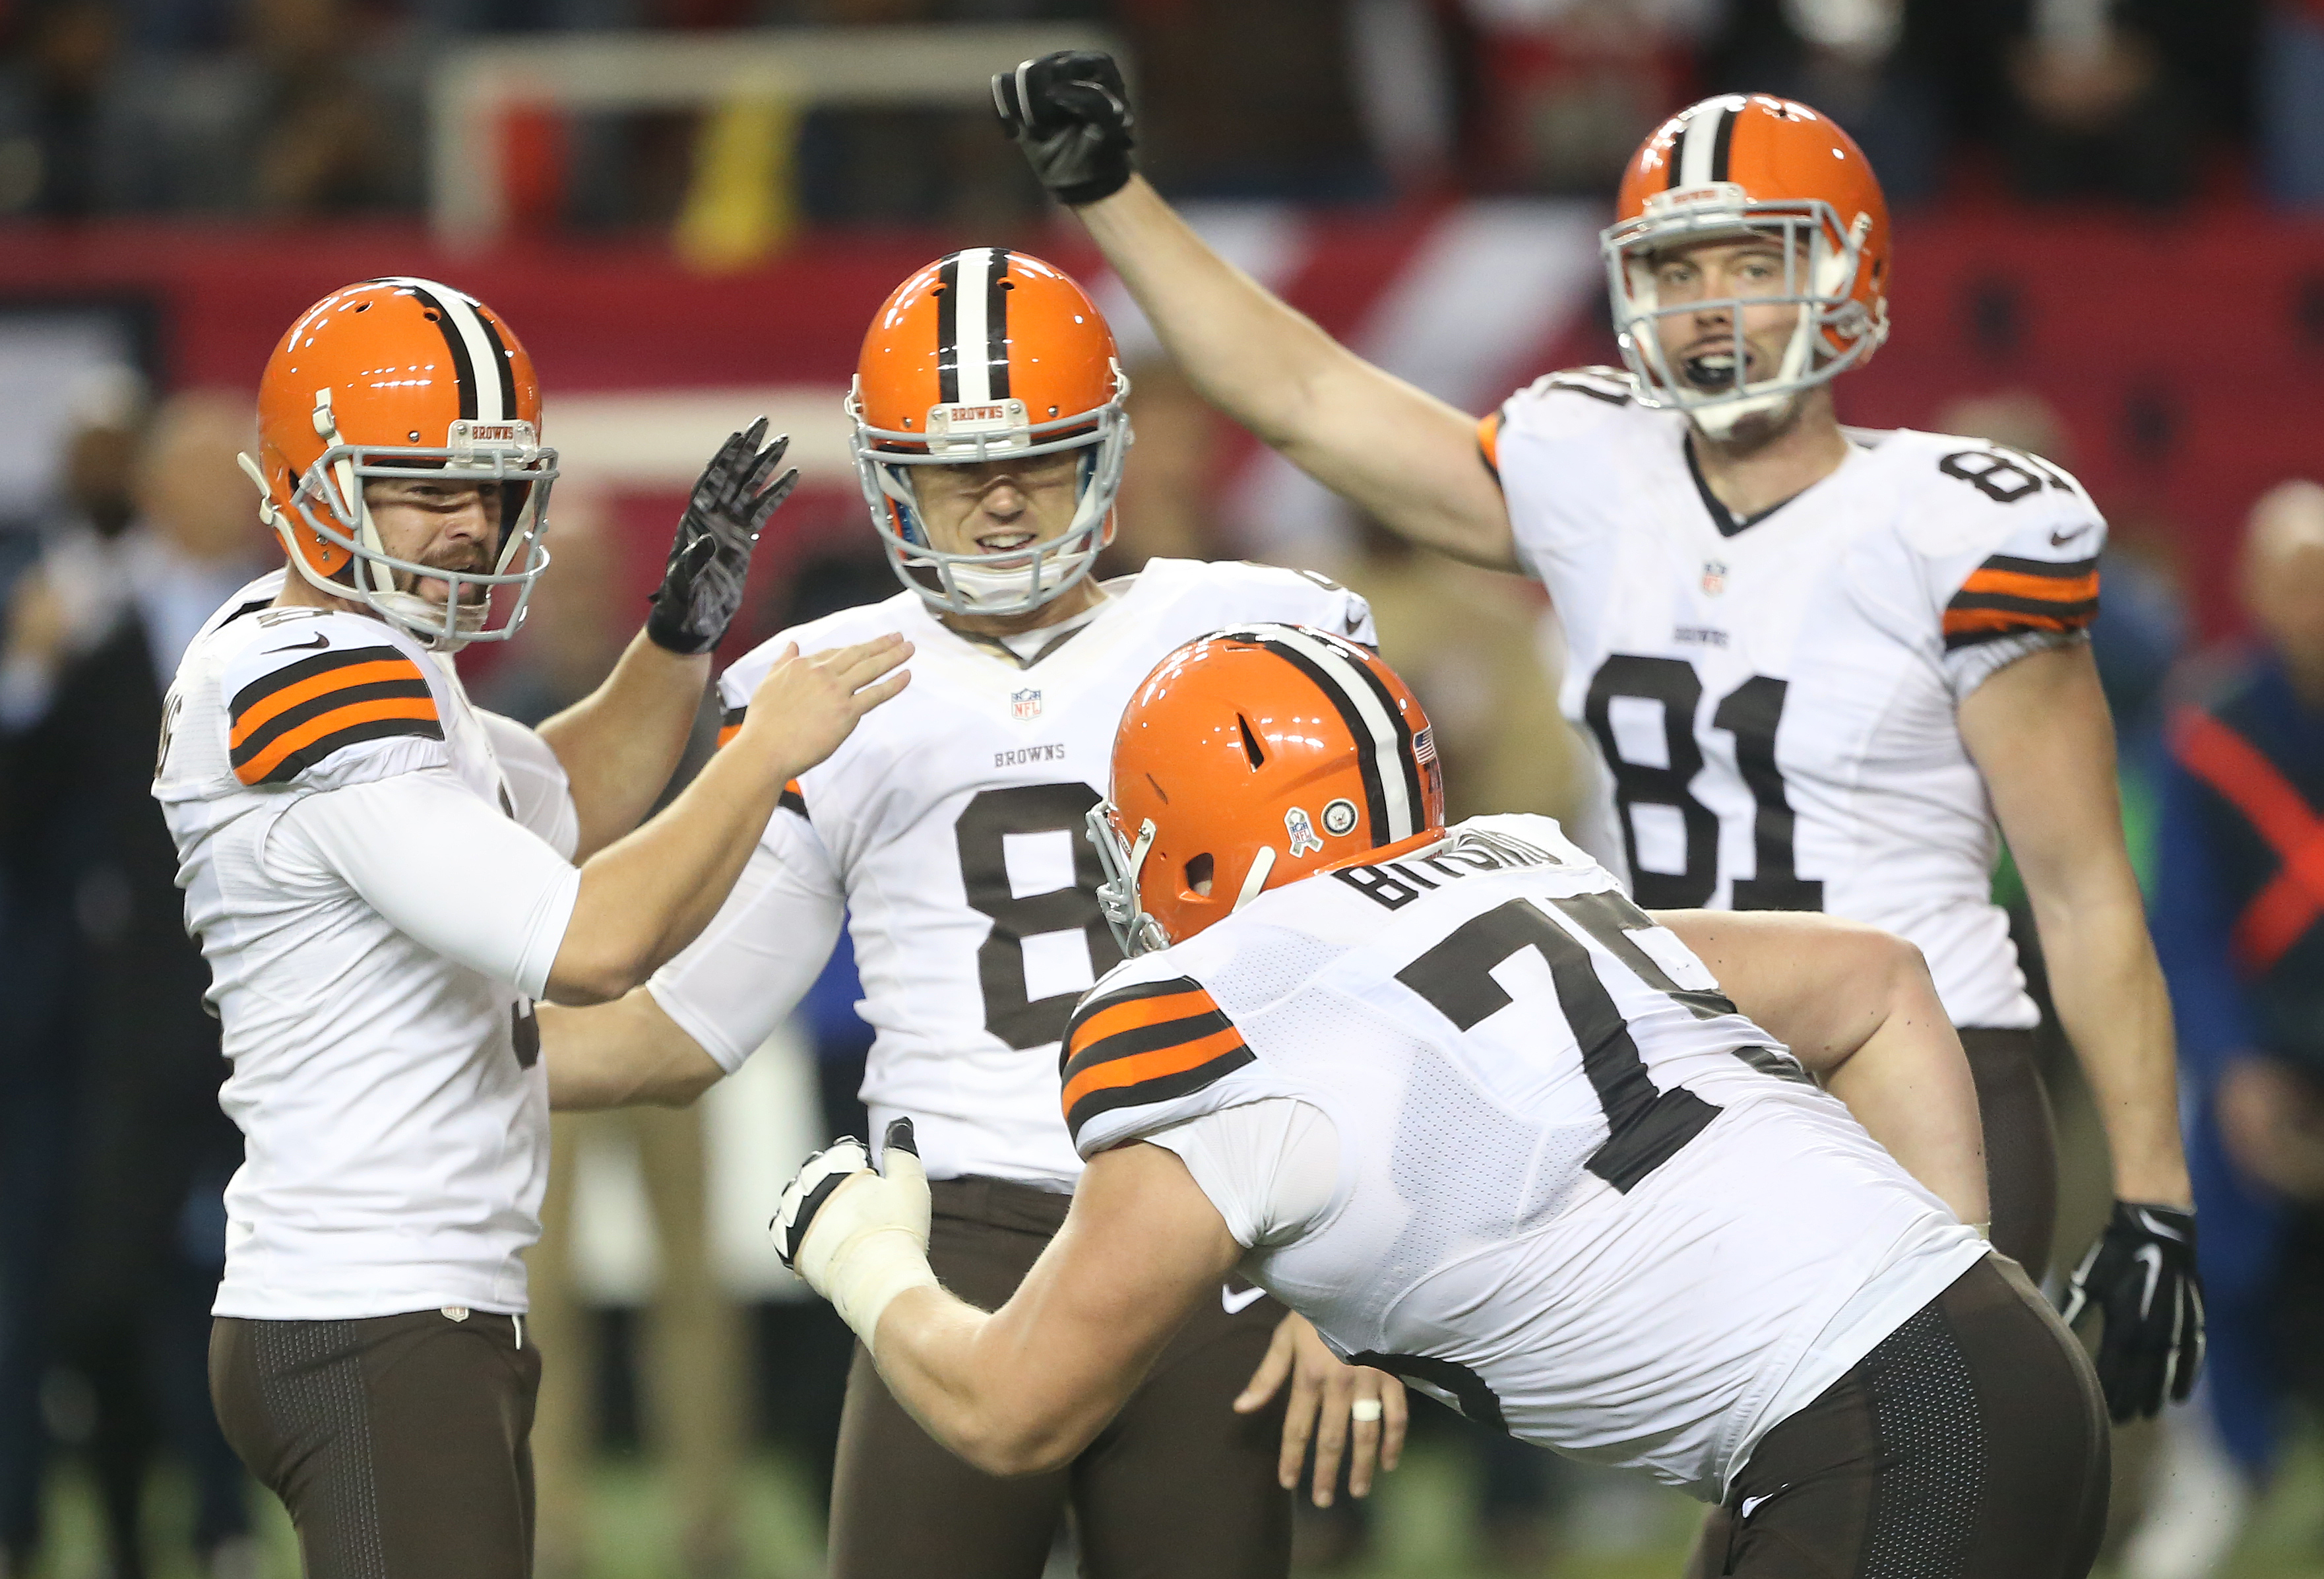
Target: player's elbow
{"x": 1012, "y": 1448}
{"x": 592, "y": 971}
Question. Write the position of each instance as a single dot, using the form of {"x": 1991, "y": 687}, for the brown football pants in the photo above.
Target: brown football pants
{"x": 1972, "y": 1444}
{"x": 1178, "y": 1486}
{"x": 397, "y": 1443}
{"x": 2021, "y": 1145}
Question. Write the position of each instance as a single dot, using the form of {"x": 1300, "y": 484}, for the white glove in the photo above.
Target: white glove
{"x": 859, "y": 1237}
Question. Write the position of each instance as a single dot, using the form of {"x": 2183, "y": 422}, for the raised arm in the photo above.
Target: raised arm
{"x": 620, "y": 743}
{"x": 1856, "y": 1005}
{"x": 1391, "y": 449}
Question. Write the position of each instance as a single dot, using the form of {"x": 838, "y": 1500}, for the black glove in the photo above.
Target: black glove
{"x": 702, "y": 586}
{"x": 1070, "y": 113}
{"x": 2141, "y": 1276}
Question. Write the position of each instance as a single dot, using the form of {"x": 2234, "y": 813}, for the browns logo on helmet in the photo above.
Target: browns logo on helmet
{"x": 390, "y": 379}
{"x": 1248, "y": 759}
{"x": 1752, "y": 165}
{"x": 987, "y": 354}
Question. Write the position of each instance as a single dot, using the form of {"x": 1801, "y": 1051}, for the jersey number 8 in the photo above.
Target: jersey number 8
{"x": 982, "y": 832}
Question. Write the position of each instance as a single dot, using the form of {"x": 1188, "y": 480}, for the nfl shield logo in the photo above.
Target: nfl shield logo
{"x": 1714, "y": 578}
{"x": 1024, "y": 705}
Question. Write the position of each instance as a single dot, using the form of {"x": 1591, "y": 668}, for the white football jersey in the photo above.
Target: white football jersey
{"x": 393, "y": 1108}
{"x": 950, "y": 828}
{"x": 1579, "y": 1195}
{"x": 1774, "y": 701}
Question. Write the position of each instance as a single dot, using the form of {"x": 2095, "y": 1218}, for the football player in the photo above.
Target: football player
{"x": 1825, "y": 669}
{"x": 383, "y": 878}
{"x": 948, "y": 834}
{"x": 1494, "y": 1128}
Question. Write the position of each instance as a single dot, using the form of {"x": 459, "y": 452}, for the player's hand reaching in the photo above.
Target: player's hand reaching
{"x": 806, "y": 706}
{"x": 2140, "y": 1278}
{"x": 859, "y": 1235}
{"x": 1070, "y": 113}
{"x": 702, "y": 586}
{"x": 1348, "y": 1409}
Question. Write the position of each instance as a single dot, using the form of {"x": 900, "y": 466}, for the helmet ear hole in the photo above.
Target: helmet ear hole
{"x": 1249, "y": 747}
{"x": 1199, "y": 872}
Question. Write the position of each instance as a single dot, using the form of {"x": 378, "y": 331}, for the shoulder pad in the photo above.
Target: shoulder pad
{"x": 1142, "y": 1042}
{"x": 300, "y": 691}
{"x": 1556, "y": 405}
{"x": 2015, "y": 541}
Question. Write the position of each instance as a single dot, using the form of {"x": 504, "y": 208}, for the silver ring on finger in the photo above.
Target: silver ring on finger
{"x": 1365, "y": 1411}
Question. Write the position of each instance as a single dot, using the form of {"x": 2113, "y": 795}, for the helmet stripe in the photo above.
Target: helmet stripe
{"x": 973, "y": 337}
{"x": 465, "y": 338}
{"x": 1710, "y": 135}
{"x": 996, "y": 325}
{"x": 502, "y": 365}
{"x": 1383, "y": 746}
{"x": 948, "y": 331}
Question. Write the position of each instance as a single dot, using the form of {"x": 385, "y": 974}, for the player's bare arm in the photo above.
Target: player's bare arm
{"x": 1856, "y": 1005}
{"x": 1022, "y": 1389}
{"x": 1392, "y": 449}
{"x": 626, "y": 1053}
{"x": 646, "y": 896}
{"x": 2041, "y": 735}
{"x": 620, "y": 743}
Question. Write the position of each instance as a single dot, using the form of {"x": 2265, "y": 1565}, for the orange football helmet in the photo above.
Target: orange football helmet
{"x": 1248, "y": 759}
{"x": 384, "y": 379}
{"x": 1752, "y": 165}
{"x": 984, "y": 355}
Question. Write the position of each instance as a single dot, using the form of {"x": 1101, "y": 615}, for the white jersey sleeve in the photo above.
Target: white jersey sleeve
{"x": 734, "y": 984}
{"x": 324, "y": 700}
{"x": 440, "y": 865}
{"x": 1547, "y": 446}
{"x": 1271, "y": 1167}
{"x": 540, "y": 795}
{"x": 2008, "y": 552}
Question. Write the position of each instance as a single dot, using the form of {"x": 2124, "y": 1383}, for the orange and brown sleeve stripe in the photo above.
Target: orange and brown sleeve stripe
{"x": 1145, "y": 1044}
{"x": 1489, "y": 444}
{"x": 730, "y": 724}
{"x": 2006, "y": 595}
{"x": 288, "y": 720}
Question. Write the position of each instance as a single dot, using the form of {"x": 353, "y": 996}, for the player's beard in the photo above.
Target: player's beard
{"x": 470, "y": 558}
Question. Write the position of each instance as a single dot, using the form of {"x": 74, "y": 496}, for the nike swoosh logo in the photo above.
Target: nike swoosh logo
{"x": 1750, "y": 1505}
{"x": 2150, "y": 1256}
{"x": 1355, "y": 624}
{"x": 320, "y": 641}
{"x": 2059, "y": 540}
{"x": 1237, "y": 1301}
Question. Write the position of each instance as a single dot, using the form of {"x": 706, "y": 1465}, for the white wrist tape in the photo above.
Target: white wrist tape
{"x": 868, "y": 1239}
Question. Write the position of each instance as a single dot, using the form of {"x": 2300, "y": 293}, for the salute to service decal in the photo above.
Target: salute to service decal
{"x": 1147, "y": 1043}
{"x": 286, "y": 721}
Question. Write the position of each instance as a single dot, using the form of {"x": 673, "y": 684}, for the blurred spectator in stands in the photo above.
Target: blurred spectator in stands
{"x": 57, "y": 610}
{"x": 2291, "y": 81}
{"x": 129, "y": 1282}
{"x": 1237, "y": 100}
{"x": 1165, "y": 509}
{"x": 1862, "y": 62}
{"x": 692, "y": 1352}
{"x": 53, "y": 108}
{"x": 1562, "y": 91}
{"x": 2098, "y": 108}
{"x": 314, "y": 114}
{"x": 2239, "y": 919}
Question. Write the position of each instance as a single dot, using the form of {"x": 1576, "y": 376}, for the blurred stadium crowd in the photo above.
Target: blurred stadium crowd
{"x": 112, "y": 1152}
{"x": 303, "y": 109}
